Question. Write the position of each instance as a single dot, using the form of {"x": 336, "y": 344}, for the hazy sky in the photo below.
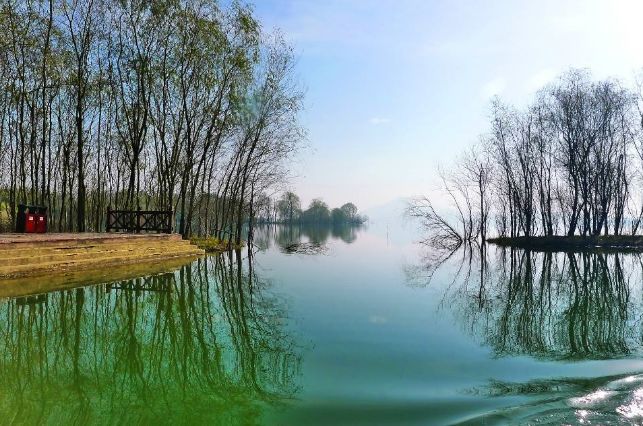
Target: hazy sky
{"x": 395, "y": 88}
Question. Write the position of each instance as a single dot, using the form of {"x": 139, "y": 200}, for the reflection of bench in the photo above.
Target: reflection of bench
{"x": 159, "y": 283}
{"x": 139, "y": 221}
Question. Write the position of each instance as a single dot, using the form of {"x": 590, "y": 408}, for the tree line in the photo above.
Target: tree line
{"x": 155, "y": 105}
{"x": 570, "y": 163}
{"x": 287, "y": 209}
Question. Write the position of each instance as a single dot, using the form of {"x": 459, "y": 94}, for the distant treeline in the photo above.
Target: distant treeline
{"x": 156, "y": 105}
{"x": 287, "y": 210}
{"x": 571, "y": 163}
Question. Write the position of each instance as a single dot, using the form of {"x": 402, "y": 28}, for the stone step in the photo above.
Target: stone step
{"x": 116, "y": 259}
{"x": 28, "y": 257}
{"x": 46, "y": 250}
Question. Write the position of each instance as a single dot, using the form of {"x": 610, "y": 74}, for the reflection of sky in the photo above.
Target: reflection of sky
{"x": 376, "y": 340}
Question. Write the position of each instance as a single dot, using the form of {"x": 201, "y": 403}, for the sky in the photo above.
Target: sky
{"x": 395, "y": 89}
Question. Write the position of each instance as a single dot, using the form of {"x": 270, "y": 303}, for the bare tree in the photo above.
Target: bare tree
{"x": 565, "y": 162}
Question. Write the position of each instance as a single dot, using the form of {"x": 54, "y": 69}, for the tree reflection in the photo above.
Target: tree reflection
{"x": 207, "y": 344}
{"x": 287, "y": 236}
{"x": 345, "y": 232}
{"x": 551, "y": 305}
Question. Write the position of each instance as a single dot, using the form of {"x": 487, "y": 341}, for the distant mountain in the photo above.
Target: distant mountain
{"x": 388, "y": 213}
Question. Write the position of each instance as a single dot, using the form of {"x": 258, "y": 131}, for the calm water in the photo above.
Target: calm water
{"x": 336, "y": 326}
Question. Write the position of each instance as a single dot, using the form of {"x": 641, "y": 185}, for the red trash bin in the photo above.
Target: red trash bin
{"x": 31, "y": 223}
{"x": 41, "y": 223}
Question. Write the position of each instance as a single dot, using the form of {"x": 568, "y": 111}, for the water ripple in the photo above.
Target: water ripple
{"x": 594, "y": 401}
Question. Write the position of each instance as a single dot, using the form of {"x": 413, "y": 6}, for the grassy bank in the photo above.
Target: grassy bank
{"x": 214, "y": 245}
{"x": 576, "y": 242}
{"x": 5, "y": 224}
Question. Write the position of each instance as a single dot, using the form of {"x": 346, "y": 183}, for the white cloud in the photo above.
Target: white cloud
{"x": 493, "y": 87}
{"x": 541, "y": 79}
{"x": 376, "y": 121}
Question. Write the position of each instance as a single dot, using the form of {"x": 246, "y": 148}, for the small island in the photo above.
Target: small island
{"x": 287, "y": 210}
{"x": 562, "y": 173}
{"x": 572, "y": 243}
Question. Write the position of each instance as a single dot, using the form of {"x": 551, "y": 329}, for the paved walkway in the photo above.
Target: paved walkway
{"x": 68, "y": 236}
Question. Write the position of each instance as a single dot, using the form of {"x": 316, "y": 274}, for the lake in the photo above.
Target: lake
{"x": 336, "y": 326}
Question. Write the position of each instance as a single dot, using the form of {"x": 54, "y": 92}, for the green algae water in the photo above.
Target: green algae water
{"x": 336, "y": 326}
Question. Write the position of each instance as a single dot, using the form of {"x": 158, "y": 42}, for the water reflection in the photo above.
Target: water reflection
{"x": 549, "y": 305}
{"x": 552, "y": 306}
{"x": 207, "y": 344}
{"x": 303, "y": 239}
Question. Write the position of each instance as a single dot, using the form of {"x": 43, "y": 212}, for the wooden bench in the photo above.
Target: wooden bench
{"x": 138, "y": 221}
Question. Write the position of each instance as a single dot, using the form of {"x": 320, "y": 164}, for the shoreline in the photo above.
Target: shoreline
{"x": 576, "y": 242}
{"x": 24, "y": 255}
